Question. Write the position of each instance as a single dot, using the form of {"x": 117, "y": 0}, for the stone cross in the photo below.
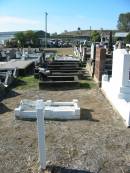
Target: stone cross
{"x": 41, "y": 133}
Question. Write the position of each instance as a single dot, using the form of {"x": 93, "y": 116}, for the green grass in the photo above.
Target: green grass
{"x": 62, "y": 51}
{"x": 87, "y": 84}
{"x": 23, "y": 83}
{"x": 29, "y": 82}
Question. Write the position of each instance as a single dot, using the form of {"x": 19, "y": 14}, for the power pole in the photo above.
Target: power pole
{"x": 46, "y": 29}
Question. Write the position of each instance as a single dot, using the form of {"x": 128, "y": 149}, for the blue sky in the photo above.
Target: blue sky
{"x": 62, "y": 14}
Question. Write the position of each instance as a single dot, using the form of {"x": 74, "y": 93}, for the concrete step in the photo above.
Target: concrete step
{"x": 62, "y": 78}
{"x": 57, "y": 84}
{"x": 57, "y": 63}
{"x": 64, "y": 71}
{"x": 64, "y": 68}
{"x": 65, "y": 74}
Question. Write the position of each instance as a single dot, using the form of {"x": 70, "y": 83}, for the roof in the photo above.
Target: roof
{"x": 121, "y": 34}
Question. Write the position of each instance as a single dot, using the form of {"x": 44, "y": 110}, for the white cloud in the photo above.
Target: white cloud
{"x": 55, "y": 23}
{"x": 9, "y": 23}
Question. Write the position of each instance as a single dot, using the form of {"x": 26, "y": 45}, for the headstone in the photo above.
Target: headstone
{"x": 12, "y": 54}
{"x": 18, "y": 54}
{"x": 84, "y": 53}
{"x": 93, "y": 50}
{"x": 3, "y": 54}
{"x": 121, "y": 73}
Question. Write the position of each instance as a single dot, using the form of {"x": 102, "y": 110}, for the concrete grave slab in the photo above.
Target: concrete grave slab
{"x": 53, "y": 110}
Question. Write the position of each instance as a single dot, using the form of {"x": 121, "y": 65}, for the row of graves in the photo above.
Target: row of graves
{"x": 17, "y": 62}
{"x": 116, "y": 88}
{"x": 98, "y": 60}
{"x": 60, "y": 71}
{"x": 111, "y": 70}
{"x": 55, "y": 72}
{"x": 23, "y": 54}
{"x": 101, "y": 61}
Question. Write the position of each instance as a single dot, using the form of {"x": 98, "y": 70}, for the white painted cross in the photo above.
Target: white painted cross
{"x": 49, "y": 110}
{"x": 41, "y": 132}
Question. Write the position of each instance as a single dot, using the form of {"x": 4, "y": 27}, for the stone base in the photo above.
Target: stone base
{"x": 53, "y": 110}
{"x": 125, "y": 93}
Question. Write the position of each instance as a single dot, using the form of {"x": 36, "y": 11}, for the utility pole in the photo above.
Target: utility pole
{"x": 46, "y": 29}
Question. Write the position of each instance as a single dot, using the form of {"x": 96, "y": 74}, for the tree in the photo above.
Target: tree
{"x": 124, "y": 22}
{"x": 30, "y": 36}
{"x": 54, "y": 34}
{"x": 128, "y": 38}
{"x": 95, "y": 36}
{"x": 20, "y": 38}
{"x": 65, "y": 31}
{"x": 78, "y": 28}
{"x": 26, "y": 38}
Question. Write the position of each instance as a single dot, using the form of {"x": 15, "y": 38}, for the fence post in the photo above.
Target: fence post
{"x": 41, "y": 133}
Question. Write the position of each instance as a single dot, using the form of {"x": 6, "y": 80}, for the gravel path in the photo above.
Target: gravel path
{"x": 98, "y": 143}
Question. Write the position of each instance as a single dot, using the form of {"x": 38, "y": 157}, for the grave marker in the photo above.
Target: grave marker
{"x": 41, "y": 133}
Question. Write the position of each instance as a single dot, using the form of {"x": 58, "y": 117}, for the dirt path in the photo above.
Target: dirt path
{"x": 99, "y": 143}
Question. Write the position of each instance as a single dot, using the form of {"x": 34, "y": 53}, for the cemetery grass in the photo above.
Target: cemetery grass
{"x": 62, "y": 51}
{"x": 87, "y": 84}
{"x": 27, "y": 82}
{"x": 24, "y": 83}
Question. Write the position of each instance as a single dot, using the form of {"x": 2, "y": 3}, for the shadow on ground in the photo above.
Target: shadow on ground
{"x": 84, "y": 85}
{"x": 8, "y": 93}
{"x": 18, "y": 82}
{"x": 11, "y": 93}
{"x": 85, "y": 114}
{"x": 4, "y": 109}
{"x": 58, "y": 169}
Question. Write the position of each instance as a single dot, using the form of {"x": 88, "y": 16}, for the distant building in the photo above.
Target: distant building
{"x": 41, "y": 37}
{"x": 5, "y": 36}
{"x": 86, "y": 34}
{"x": 121, "y": 35}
